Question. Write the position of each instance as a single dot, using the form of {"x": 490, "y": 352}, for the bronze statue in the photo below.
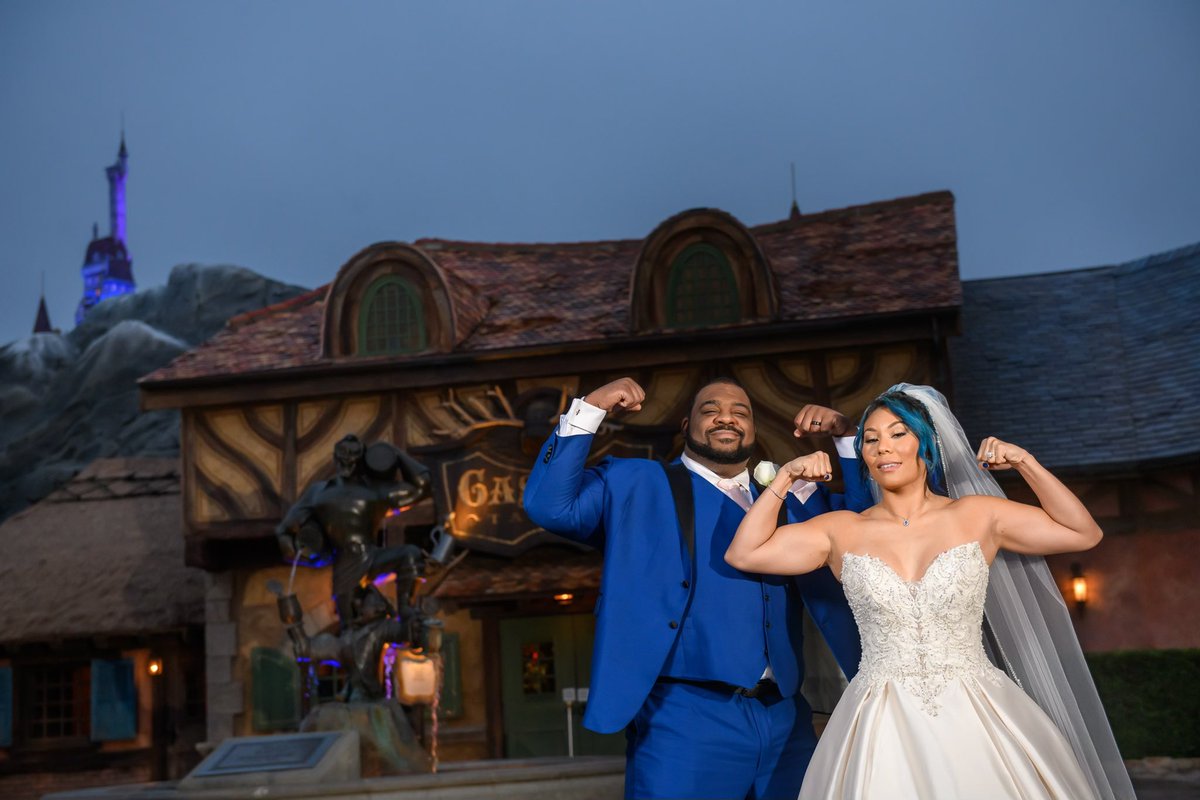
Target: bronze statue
{"x": 337, "y": 520}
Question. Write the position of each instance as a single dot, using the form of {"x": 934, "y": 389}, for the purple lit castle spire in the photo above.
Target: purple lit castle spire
{"x": 107, "y": 269}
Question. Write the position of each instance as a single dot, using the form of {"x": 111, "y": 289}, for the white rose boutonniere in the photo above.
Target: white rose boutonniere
{"x": 765, "y": 472}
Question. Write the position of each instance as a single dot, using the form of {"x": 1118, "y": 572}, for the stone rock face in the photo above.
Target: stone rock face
{"x": 67, "y": 399}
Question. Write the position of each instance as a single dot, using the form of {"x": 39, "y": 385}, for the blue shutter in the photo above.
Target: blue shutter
{"x": 6, "y": 706}
{"x": 114, "y": 701}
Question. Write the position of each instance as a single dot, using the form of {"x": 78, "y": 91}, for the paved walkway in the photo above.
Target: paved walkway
{"x": 1166, "y": 778}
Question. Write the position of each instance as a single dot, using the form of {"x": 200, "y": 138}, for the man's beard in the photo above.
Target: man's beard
{"x": 739, "y": 455}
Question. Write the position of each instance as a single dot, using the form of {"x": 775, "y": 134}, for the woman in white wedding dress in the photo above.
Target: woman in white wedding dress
{"x": 927, "y": 715}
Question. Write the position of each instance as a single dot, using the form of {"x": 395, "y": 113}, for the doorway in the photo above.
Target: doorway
{"x": 540, "y": 657}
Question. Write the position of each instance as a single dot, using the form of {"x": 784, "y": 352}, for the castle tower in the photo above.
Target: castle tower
{"x": 42, "y": 323}
{"x": 107, "y": 269}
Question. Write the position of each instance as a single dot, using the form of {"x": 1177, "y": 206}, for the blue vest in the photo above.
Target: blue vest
{"x": 725, "y": 635}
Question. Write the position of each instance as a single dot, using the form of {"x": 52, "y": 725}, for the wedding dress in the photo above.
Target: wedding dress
{"x": 928, "y": 716}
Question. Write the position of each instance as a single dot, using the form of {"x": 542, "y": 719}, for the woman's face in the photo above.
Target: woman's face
{"x": 890, "y": 450}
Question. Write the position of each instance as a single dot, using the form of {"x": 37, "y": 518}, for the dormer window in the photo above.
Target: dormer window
{"x": 392, "y": 321}
{"x": 702, "y": 289}
{"x": 700, "y": 269}
{"x": 389, "y": 300}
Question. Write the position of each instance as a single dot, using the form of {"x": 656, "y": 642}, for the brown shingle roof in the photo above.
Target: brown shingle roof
{"x": 537, "y": 573}
{"x": 888, "y": 257}
{"x": 113, "y": 535}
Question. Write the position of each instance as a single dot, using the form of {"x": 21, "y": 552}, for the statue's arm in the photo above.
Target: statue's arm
{"x": 415, "y": 473}
{"x": 301, "y": 512}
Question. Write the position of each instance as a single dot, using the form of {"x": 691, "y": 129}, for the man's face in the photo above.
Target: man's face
{"x": 721, "y": 425}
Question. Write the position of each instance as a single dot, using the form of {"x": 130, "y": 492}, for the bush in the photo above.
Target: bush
{"x": 1153, "y": 700}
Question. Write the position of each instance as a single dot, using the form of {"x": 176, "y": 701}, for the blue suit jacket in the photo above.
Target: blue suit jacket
{"x": 624, "y": 506}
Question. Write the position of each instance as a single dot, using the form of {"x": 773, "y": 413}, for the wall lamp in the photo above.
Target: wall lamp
{"x": 155, "y": 667}
{"x": 1079, "y": 587}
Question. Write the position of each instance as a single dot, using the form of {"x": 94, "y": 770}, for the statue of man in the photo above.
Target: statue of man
{"x": 338, "y": 518}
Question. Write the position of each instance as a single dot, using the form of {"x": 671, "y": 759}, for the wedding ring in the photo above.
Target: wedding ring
{"x": 816, "y": 423}
{"x": 827, "y": 477}
{"x": 989, "y": 454}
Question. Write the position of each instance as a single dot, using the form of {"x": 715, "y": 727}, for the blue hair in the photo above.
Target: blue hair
{"x": 914, "y": 416}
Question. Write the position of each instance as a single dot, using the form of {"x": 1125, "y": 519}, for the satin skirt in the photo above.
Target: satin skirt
{"x": 979, "y": 738}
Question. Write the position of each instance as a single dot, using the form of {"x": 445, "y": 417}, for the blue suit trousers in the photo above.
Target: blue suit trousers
{"x": 693, "y": 742}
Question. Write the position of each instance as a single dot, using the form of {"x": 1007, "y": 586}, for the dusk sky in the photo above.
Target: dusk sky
{"x": 286, "y": 136}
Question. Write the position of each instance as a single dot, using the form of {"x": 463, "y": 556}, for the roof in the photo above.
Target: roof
{"x": 108, "y": 248}
{"x": 113, "y": 535}
{"x": 537, "y": 573}
{"x": 42, "y": 323}
{"x": 1114, "y": 350}
{"x": 887, "y": 257}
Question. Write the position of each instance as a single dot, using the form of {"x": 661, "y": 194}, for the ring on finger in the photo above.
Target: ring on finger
{"x": 816, "y": 423}
{"x": 989, "y": 454}
{"x": 827, "y": 477}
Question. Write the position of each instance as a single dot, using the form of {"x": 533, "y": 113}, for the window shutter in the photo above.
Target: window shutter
{"x": 114, "y": 700}
{"x": 6, "y": 706}
{"x": 274, "y": 690}
{"x": 451, "y": 701}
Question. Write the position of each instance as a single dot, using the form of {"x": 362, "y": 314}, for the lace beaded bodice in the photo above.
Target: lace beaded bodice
{"x": 921, "y": 634}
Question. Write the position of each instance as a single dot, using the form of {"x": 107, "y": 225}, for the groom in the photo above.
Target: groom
{"x": 699, "y": 663}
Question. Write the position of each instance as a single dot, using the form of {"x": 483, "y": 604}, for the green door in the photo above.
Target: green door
{"x": 539, "y": 658}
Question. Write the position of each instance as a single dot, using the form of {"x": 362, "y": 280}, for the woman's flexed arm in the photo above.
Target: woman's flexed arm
{"x": 759, "y": 546}
{"x": 1062, "y": 525}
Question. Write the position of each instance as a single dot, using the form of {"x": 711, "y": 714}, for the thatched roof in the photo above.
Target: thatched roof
{"x": 103, "y": 555}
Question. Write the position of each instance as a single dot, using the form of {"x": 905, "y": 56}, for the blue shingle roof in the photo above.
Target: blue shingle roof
{"x": 1088, "y": 368}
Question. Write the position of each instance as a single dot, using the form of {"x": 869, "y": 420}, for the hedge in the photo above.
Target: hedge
{"x": 1152, "y": 698}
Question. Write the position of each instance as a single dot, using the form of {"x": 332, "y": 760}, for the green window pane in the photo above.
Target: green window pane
{"x": 451, "y": 700}
{"x": 702, "y": 289}
{"x": 537, "y": 668}
{"x": 274, "y": 690}
{"x": 392, "y": 321}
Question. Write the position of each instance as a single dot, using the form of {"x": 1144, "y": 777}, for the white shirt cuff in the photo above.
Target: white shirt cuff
{"x": 845, "y": 446}
{"x": 581, "y": 418}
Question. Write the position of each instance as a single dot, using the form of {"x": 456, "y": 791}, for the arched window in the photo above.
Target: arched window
{"x": 702, "y": 289}
{"x": 392, "y": 321}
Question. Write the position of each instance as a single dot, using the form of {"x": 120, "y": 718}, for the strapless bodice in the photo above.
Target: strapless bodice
{"x": 921, "y": 634}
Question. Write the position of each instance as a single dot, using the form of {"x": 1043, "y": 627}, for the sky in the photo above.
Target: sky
{"x": 286, "y": 136}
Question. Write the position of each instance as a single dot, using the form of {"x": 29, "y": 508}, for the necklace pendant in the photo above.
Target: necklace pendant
{"x": 906, "y": 523}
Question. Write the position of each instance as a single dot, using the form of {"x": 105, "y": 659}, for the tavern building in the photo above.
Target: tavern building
{"x": 465, "y": 354}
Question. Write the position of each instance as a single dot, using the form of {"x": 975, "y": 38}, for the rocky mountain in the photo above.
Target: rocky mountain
{"x": 67, "y": 399}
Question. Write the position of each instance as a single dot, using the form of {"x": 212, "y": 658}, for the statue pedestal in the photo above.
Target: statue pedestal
{"x": 386, "y": 741}
{"x": 280, "y": 760}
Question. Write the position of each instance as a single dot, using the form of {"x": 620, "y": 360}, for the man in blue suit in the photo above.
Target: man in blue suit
{"x": 699, "y": 663}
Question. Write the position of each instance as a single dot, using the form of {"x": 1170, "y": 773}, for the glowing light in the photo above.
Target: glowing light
{"x": 564, "y": 598}
{"x": 155, "y": 667}
{"x": 1079, "y": 587}
{"x": 384, "y": 580}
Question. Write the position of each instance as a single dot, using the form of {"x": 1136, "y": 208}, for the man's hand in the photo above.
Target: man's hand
{"x": 623, "y": 394}
{"x": 814, "y": 420}
{"x": 812, "y": 467}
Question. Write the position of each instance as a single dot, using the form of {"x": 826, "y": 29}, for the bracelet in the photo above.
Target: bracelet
{"x": 777, "y": 494}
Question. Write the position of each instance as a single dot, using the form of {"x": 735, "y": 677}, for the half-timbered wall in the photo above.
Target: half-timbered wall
{"x": 244, "y": 465}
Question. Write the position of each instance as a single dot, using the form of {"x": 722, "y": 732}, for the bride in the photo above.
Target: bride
{"x": 928, "y": 715}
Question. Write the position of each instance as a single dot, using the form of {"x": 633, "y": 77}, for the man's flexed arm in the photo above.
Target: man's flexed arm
{"x": 561, "y": 495}
{"x": 815, "y": 421}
